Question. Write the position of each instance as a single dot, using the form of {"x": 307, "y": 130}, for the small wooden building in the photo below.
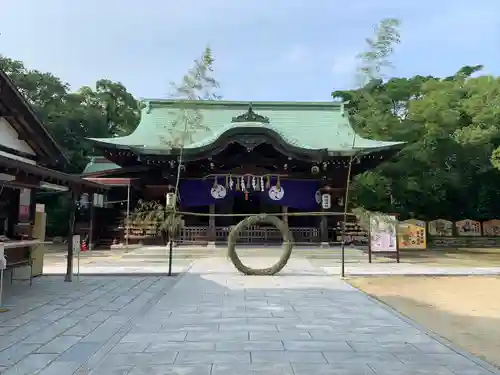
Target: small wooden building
{"x": 238, "y": 157}
{"x": 30, "y": 159}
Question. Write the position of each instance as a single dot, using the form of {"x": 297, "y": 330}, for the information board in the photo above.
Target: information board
{"x": 383, "y": 233}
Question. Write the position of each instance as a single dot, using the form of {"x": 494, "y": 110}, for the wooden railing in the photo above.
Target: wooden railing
{"x": 146, "y": 232}
{"x": 255, "y": 234}
{"x": 194, "y": 234}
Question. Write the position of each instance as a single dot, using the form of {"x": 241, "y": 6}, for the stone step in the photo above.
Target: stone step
{"x": 206, "y": 253}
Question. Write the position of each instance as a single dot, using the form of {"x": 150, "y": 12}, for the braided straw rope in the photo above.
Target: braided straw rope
{"x": 253, "y": 220}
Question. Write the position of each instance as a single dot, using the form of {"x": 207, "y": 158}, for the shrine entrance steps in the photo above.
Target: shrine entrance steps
{"x": 197, "y": 252}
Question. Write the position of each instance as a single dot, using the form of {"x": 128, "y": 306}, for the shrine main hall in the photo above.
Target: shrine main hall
{"x": 237, "y": 158}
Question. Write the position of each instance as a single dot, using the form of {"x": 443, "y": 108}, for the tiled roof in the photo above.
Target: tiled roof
{"x": 99, "y": 164}
{"x": 308, "y": 125}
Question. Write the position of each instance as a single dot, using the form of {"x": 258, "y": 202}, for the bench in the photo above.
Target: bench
{"x": 19, "y": 257}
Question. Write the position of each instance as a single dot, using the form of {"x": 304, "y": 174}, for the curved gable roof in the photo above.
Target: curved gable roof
{"x": 305, "y": 125}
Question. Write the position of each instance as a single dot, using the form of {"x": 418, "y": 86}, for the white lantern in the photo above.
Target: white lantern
{"x": 326, "y": 201}
{"x": 84, "y": 200}
{"x": 170, "y": 199}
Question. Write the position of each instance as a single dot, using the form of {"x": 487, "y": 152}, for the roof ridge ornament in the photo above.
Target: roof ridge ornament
{"x": 251, "y": 116}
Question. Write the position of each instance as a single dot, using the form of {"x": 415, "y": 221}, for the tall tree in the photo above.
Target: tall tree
{"x": 370, "y": 74}
{"x": 121, "y": 109}
{"x": 380, "y": 48}
{"x": 40, "y": 89}
{"x": 451, "y": 126}
{"x": 108, "y": 110}
{"x": 197, "y": 84}
{"x": 70, "y": 117}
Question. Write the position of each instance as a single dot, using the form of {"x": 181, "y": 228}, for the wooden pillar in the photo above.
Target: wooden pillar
{"x": 71, "y": 230}
{"x": 284, "y": 210}
{"x": 211, "y": 226}
{"x": 91, "y": 222}
{"x": 323, "y": 229}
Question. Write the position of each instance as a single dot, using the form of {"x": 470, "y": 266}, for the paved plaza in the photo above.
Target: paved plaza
{"x": 153, "y": 260}
{"x": 215, "y": 321}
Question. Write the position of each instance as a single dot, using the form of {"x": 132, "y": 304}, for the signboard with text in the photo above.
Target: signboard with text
{"x": 383, "y": 233}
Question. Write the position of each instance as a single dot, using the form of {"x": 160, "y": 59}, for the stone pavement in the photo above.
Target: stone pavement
{"x": 153, "y": 260}
{"x": 56, "y": 327}
{"x": 113, "y": 265}
{"x": 215, "y": 321}
{"x": 393, "y": 269}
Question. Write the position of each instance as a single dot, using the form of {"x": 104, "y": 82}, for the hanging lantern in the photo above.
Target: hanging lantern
{"x": 278, "y": 184}
{"x": 326, "y": 201}
{"x": 227, "y": 181}
{"x": 262, "y": 183}
{"x": 254, "y": 183}
{"x": 231, "y": 183}
{"x": 242, "y": 182}
{"x": 170, "y": 200}
{"x": 268, "y": 182}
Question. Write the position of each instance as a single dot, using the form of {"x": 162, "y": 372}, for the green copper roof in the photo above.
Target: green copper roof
{"x": 307, "y": 125}
{"x": 99, "y": 164}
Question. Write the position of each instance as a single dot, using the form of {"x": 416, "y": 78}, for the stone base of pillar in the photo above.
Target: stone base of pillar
{"x": 324, "y": 245}
{"x": 211, "y": 245}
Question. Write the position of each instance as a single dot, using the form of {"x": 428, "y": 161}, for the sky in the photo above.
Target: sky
{"x": 289, "y": 50}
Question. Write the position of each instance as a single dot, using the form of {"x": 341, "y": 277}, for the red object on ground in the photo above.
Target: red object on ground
{"x": 83, "y": 246}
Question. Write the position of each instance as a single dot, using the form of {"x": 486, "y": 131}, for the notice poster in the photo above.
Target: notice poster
{"x": 383, "y": 233}
{"x": 411, "y": 234}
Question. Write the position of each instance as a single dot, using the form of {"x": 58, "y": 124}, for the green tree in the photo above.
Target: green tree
{"x": 372, "y": 63}
{"x": 70, "y": 117}
{"x": 452, "y": 127}
{"x": 108, "y": 110}
{"x": 197, "y": 84}
{"x": 449, "y": 167}
{"x": 122, "y": 111}
{"x": 379, "y": 50}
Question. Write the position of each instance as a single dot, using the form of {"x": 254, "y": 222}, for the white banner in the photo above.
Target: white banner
{"x": 383, "y": 235}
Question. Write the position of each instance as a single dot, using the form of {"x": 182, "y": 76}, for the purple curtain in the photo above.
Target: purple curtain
{"x": 195, "y": 193}
{"x": 298, "y": 194}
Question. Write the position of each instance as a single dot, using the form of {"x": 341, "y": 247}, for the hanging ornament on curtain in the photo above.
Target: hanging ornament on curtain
{"x": 242, "y": 181}
{"x": 237, "y": 184}
{"x": 262, "y": 183}
{"x": 268, "y": 182}
{"x": 254, "y": 184}
{"x": 278, "y": 184}
{"x": 231, "y": 183}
